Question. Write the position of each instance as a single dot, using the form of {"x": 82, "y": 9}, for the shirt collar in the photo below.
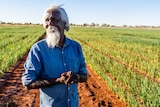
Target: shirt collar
{"x": 67, "y": 41}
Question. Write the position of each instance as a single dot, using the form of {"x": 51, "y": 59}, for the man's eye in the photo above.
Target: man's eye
{"x": 55, "y": 20}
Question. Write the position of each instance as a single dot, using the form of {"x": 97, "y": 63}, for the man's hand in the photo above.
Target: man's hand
{"x": 72, "y": 78}
{"x": 63, "y": 79}
{"x": 68, "y": 78}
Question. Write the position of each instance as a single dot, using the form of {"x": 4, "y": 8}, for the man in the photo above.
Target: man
{"x": 55, "y": 64}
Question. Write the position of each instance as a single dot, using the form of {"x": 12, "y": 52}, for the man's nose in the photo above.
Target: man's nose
{"x": 51, "y": 23}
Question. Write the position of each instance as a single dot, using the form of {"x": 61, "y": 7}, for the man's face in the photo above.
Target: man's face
{"x": 54, "y": 28}
{"x": 54, "y": 19}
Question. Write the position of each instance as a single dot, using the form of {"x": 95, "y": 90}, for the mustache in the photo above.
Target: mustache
{"x": 52, "y": 29}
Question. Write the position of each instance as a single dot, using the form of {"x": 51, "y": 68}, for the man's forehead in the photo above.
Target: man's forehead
{"x": 54, "y": 13}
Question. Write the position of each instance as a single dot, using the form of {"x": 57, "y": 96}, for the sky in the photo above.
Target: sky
{"x": 112, "y": 12}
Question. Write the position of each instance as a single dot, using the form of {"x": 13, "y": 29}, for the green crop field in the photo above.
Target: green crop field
{"x": 127, "y": 59}
{"x": 15, "y": 41}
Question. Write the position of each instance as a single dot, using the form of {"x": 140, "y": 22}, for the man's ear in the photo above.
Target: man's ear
{"x": 65, "y": 27}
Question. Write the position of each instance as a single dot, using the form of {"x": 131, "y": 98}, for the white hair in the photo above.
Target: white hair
{"x": 63, "y": 15}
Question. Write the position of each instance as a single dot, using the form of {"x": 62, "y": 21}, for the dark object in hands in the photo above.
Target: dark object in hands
{"x": 70, "y": 77}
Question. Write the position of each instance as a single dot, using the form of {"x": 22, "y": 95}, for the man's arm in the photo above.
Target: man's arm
{"x": 66, "y": 78}
{"x": 39, "y": 83}
{"x": 43, "y": 83}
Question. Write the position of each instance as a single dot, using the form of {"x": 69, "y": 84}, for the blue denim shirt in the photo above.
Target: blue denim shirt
{"x": 44, "y": 62}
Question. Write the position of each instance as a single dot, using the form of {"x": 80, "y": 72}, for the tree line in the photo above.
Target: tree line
{"x": 86, "y": 25}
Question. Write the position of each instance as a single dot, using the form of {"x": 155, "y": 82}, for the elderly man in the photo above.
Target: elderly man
{"x": 55, "y": 64}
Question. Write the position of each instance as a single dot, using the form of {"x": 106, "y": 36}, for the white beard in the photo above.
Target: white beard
{"x": 53, "y": 36}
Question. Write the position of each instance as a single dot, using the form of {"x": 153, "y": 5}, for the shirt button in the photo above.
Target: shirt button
{"x": 68, "y": 99}
{"x": 68, "y": 88}
{"x": 65, "y": 64}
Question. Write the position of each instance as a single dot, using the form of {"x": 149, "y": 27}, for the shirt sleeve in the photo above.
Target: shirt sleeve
{"x": 32, "y": 66}
{"x": 83, "y": 68}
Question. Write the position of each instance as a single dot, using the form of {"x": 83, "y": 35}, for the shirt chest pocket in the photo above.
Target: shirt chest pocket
{"x": 74, "y": 65}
